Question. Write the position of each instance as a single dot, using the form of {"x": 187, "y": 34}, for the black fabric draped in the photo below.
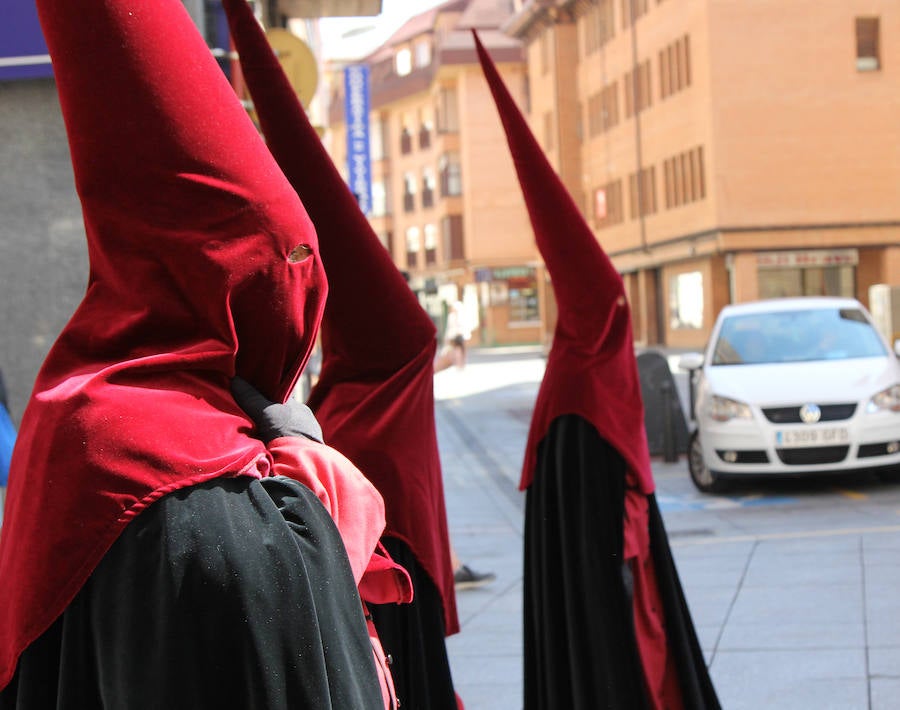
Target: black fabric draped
{"x": 580, "y": 651}
{"x": 413, "y": 635}
{"x": 697, "y": 690}
{"x": 580, "y": 647}
{"x": 236, "y": 593}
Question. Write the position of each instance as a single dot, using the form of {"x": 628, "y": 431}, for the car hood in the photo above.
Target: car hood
{"x": 833, "y": 381}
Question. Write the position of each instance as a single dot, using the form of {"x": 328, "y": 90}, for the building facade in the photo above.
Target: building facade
{"x": 723, "y": 150}
{"x": 445, "y": 199}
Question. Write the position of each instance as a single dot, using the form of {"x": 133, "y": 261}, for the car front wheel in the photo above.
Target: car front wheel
{"x": 701, "y": 476}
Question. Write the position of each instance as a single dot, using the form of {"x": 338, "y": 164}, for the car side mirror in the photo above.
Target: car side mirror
{"x": 690, "y": 361}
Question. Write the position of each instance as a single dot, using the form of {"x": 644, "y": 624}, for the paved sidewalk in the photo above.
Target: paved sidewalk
{"x": 788, "y": 619}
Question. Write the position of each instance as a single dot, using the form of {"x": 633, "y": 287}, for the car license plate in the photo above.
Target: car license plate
{"x": 797, "y": 438}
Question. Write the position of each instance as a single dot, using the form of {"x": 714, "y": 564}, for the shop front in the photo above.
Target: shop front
{"x": 509, "y": 305}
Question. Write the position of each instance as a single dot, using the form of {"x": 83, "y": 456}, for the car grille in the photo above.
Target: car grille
{"x": 807, "y": 457}
{"x": 791, "y": 415}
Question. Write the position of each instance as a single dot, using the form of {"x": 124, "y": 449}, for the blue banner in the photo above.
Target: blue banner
{"x": 356, "y": 110}
{"x": 23, "y": 51}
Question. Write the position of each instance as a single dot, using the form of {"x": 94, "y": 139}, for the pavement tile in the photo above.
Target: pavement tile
{"x": 791, "y": 680}
{"x": 885, "y": 694}
{"x": 885, "y": 663}
{"x": 792, "y": 635}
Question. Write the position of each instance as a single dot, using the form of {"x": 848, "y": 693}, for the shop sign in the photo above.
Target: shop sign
{"x": 504, "y": 273}
{"x": 807, "y": 258}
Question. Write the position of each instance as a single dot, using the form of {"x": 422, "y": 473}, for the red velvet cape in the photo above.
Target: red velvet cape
{"x": 194, "y": 277}
{"x": 375, "y": 395}
{"x": 591, "y": 368}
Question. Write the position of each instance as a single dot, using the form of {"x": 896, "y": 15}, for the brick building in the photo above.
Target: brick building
{"x": 445, "y": 199}
{"x": 724, "y": 150}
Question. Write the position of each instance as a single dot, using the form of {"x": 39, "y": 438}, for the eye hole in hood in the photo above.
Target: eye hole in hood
{"x": 299, "y": 253}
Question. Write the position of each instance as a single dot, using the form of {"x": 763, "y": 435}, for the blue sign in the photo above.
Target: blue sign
{"x": 23, "y": 51}
{"x": 356, "y": 110}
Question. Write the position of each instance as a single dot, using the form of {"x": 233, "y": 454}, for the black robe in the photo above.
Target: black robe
{"x": 581, "y": 652}
{"x": 413, "y": 635}
{"x": 236, "y": 593}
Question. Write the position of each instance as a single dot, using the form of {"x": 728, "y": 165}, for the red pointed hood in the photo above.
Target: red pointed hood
{"x": 591, "y": 369}
{"x": 203, "y": 264}
{"x": 375, "y": 397}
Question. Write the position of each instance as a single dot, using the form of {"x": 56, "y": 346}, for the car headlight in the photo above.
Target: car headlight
{"x": 888, "y": 399}
{"x": 723, "y": 409}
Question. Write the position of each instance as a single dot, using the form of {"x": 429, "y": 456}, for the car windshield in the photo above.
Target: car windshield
{"x": 796, "y": 336}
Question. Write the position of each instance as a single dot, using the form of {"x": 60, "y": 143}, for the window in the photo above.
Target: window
{"x": 403, "y": 61}
{"x": 423, "y": 53}
{"x": 642, "y": 192}
{"x": 379, "y": 199}
{"x": 413, "y": 245}
{"x": 603, "y": 110}
{"x": 808, "y": 272}
{"x": 638, "y": 89}
{"x": 425, "y": 131}
{"x": 867, "y": 44}
{"x": 675, "y": 67}
{"x": 598, "y": 26}
{"x": 446, "y": 111}
{"x": 632, "y": 10}
{"x": 405, "y": 141}
{"x": 428, "y": 185}
{"x": 409, "y": 192}
{"x": 377, "y": 131}
{"x": 450, "y": 175}
{"x": 523, "y": 298}
{"x": 684, "y": 178}
{"x": 387, "y": 241}
{"x": 431, "y": 235}
{"x": 452, "y": 237}
{"x": 608, "y": 205}
{"x": 686, "y": 301}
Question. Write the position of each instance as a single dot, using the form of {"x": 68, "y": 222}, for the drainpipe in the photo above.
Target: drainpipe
{"x": 638, "y": 142}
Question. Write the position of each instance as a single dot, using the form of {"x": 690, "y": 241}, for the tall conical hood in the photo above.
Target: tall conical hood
{"x": 375, "y": 397}
{"x": 203, "y": 264}
{"x": 370, "y": 303}
{"x": 591, "y": 369}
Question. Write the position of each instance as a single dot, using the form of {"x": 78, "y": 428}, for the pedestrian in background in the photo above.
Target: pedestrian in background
{"x": 456, "y": 333}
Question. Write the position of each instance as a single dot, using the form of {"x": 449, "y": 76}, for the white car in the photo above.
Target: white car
{"x": 793, "y": 385}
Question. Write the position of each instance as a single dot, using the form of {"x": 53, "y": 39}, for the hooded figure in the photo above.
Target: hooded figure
{"x": 374, "y": 398}
{"x": 606, "y": 622}
{"x": 155, "y": 551}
